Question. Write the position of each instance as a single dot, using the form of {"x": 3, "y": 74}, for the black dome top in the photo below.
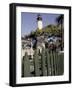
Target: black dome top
{"x": 39, "y": 17}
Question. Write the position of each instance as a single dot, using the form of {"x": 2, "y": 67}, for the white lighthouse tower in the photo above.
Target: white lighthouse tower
{"x": 39, "y": 22}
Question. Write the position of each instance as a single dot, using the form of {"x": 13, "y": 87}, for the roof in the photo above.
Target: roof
{"x": 39, "y": 17}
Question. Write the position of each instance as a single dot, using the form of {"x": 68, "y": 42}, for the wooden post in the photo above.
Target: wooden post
{"x": 43, "y": 63}
{"x": 55, "y": 62}
{"x": 61, "y": 64}
{"x": 52, "y": 68}
{"x": 48, "y": 62}
{"x": 26, "y": 66}
{"x": 36, "y": 64}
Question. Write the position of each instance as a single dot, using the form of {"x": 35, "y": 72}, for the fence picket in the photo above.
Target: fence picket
{"x": 54, "y": 55}
{"x": 60, "y": 64}
{"x": 36, "y": 64}
{"x": 52, "y": 68}
{"x": 56, "y": 63}
{"x": 48, "y": 62}
{"x": 52, "y": 63}
{"x": 43, "y": 63}
{"x": 26, "y": 66}
{"x": 22, "y": 67}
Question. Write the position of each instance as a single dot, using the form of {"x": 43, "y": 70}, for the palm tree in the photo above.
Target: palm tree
{"x": 60, "y": 21}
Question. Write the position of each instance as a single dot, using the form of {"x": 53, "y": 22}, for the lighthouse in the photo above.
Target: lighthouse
{"x": 39, "y": 22}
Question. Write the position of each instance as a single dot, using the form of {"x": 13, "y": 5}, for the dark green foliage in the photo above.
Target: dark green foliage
{"x": 60, "y": 22}
{"x": 48, "y": 30}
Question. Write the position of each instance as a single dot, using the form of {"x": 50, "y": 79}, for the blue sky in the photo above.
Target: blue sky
{"x": 29, "y": 21}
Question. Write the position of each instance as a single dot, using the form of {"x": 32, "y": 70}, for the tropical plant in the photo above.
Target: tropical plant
{"x": 60, "y": 21}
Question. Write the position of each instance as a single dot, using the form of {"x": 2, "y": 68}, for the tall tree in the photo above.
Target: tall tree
{"x": 60, "y": 22}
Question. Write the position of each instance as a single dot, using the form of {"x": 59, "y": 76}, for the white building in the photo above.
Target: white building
{"x": 39, "y": 22}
